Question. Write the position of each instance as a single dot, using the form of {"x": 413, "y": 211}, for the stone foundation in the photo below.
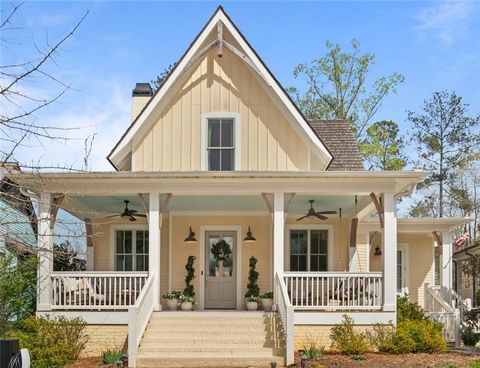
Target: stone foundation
{"x": 103, "y": 337}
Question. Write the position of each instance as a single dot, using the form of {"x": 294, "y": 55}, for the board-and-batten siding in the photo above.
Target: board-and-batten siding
{"x": 268, "y": 140}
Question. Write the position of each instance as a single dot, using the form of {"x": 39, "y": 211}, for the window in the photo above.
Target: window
{"x": 131, "y": 250}
{"x": 309, "y": 250}
{"x": 220, "y": 145}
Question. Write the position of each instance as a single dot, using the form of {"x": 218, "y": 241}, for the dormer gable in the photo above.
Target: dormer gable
{"x": 220, "y": 84}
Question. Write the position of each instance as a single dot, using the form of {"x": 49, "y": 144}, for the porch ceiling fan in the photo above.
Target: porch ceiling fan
{"x": 320, "y": 214}
{"x": 129, "y": 213}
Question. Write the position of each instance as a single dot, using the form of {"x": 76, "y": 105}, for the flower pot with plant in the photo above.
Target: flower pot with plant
{"x": 187, "y": 298}
{"x": 267, "y": 301}
{"x": 252, "y": 287}
{"x": 172, "y": 300}
{"x": 186, "y": 302}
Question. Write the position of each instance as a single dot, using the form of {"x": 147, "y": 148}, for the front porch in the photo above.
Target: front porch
{"x": 318, "y": 269}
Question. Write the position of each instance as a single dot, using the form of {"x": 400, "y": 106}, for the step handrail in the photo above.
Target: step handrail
{"x": 138, "y": 318}
{"x": 285, "y": 309}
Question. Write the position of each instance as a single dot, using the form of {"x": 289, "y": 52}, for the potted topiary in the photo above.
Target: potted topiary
{"x": 187, "y": 298}
{"x": 252, "y": 286}
{"x": 172, "y": 300}
{"x": 267, "y": 301}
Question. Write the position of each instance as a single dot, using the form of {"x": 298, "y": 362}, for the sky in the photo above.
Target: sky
{"x": 435, "y": 45}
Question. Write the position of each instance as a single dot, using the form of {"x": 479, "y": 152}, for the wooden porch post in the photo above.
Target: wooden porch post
{"x": 447, "y": 278}
{"x": 389, "y": 253}
{"x": 278, "y": 232}
{"x": 45, "y": 253}
{"x": 154, "y": 236}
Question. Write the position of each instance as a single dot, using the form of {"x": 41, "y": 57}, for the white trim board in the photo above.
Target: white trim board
{"x": 158, "y": 101}
{"x": 203, "y": 230}
{"x": 92, "y": 318}
{"x": 333, "y": 318}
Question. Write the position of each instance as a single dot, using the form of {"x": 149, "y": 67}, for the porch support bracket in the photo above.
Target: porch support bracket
{"x": 379, "y": 208}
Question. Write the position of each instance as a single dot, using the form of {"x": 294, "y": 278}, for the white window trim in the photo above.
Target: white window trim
{"x": 406, "y": 269}
{"x": 204, "y": 138}
{"x": 330, "y": 244}
{"x": 114, "y": 228}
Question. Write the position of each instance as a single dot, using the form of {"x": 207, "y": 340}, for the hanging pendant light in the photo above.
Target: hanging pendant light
{"x": 249, "y": 238}
{"x": 190, "y": 239}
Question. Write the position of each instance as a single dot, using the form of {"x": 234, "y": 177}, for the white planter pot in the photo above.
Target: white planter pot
{"x": 172, "y": 304}
{"x": 252, "y": 306}
{"x": 267, "y": 304}
{"x": 186, "y": 306}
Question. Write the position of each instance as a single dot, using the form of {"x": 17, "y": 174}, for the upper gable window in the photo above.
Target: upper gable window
{"x": 221, "y": 145}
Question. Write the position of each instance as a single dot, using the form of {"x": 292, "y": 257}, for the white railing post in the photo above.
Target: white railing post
{"x": 132, "y": 337}
{"x": 278, "y": 232}
{"x": 154, "y": 244}
{"x": 389, "y": 253}
{"x": 286, "y": 311}
{"x": 45, "y": 254}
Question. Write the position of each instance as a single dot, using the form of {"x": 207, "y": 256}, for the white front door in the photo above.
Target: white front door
{"x": 220, "y": 275}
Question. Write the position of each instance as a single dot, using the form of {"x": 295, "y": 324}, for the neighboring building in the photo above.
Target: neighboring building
{"x": 463, "y": 283}
{"x": 219, "y": 150}
{"x": 18, "y": 223}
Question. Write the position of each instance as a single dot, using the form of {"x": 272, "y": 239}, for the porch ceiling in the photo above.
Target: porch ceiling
{"x": 84, "y": 206}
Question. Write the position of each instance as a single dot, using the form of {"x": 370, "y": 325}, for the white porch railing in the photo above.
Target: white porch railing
{"x": 333, "y": 291}
{"x": 96, "y": 290}
{"x": 138, "y": 317}
{"x": 442, "y": 311}
{"x": 285, "y": 309}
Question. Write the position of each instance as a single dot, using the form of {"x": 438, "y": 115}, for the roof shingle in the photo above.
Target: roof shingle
{"x": 337, "y": 135}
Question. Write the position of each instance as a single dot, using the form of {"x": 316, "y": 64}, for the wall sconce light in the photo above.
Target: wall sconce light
{"x": 249, "y": 238}
{"x": 190, "y": 239}
{"x": 378, "y": 251}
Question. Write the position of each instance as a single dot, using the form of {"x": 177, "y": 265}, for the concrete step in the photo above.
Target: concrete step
{"x": 221, "y": 349}
{"x": 245, "y": 342}
{"x": 209, "y": 334}
{"x": 212, "y": 362}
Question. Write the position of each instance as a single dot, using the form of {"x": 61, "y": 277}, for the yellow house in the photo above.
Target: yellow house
{"x": 221, "y": 153}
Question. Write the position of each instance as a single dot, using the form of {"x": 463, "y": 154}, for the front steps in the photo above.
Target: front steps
{"x": 211, "y": 339}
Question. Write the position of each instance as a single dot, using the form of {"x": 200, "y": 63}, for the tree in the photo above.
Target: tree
{"x": 18, "y": 289}
{"x": 19, "y": 106}
{"x": 383, "y": 147}
{"x": 337, "y": 87}
{"x": 445, "y": 138}
{"x": 65, "y": 257}
{"x": 162, "y": 77}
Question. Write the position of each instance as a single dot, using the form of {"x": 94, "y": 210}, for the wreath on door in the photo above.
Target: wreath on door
{"x": 221, "y": 250}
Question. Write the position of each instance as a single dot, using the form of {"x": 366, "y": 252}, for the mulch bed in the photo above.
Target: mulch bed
{"x": 447, "y": 360}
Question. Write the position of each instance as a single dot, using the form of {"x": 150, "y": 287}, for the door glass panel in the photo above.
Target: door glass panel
{"x": 222, "y": 264}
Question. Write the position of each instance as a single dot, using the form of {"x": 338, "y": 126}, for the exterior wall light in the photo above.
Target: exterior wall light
{"x": 190, "y": 239}
{"x": 249, "y": 238}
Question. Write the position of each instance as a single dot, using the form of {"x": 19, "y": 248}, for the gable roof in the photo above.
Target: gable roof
{"x": 124, "y": 145}
{"x": 339, "y": 138}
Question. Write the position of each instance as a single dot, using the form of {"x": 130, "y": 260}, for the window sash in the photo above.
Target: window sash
{"x": 225, "y": 163}
{"x": 309, "y": 253}
{"x": 137, "y": 258}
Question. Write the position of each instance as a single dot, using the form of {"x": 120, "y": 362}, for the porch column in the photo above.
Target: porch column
{"x": 154, "y": 229}
{"x": 389, "y": 253}
{"x": 447, "y": 277}
{"x": 45, "y": 253}
{"x": 278, "y": 232}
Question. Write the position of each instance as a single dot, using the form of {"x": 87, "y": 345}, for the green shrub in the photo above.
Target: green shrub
{"x": 52, "y": 342}
{"x": 346, "y": 340}
{"x": 359, "y": 357}
{"x": 408, "y": 310}
{"x": 112, "y": 356}
{"x": 313, "y": 350}
{"x": 470, "y": 337}
{"x": 409, "y": 336}
{"x": 475, "y": 364}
